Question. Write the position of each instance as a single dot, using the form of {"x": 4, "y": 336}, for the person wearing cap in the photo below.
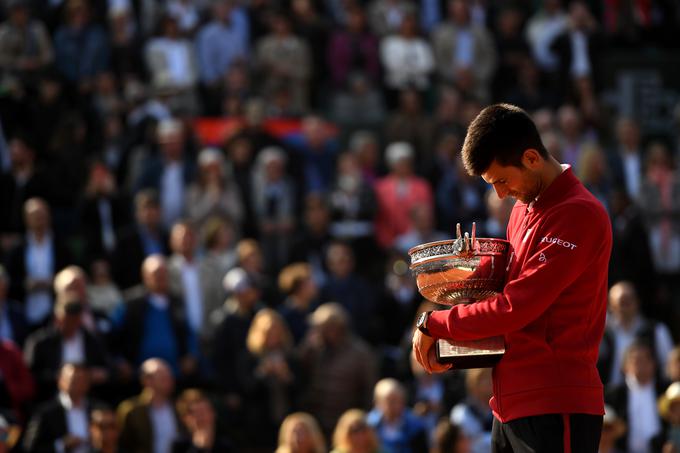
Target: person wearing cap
{"x": 397, "y": 193}
{"x": 669, "y": 409}
{"x": 231, "y": 323}
{"x": 341, "y": 367}
{"x": 65, "y": 340}
{"x": 214, "y": 193}
{"x": 613, "y": 428}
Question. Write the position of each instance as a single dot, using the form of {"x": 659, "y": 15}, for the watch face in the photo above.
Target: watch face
{"x": 421, "y": 319}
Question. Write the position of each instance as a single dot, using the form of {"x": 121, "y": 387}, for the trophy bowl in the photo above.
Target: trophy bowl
{"x": 463, "y": 270}
{"x": 448, "y": 273}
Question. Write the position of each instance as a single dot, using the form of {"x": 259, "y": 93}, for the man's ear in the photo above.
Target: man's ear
{"x": 532, "y": 159}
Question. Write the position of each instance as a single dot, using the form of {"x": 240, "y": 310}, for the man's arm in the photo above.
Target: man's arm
{"x": 568, "y": 239}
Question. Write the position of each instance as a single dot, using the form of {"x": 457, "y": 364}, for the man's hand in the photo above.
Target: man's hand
{"x": 425, "y": 353}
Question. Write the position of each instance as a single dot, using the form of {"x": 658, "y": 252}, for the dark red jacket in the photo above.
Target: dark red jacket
{"x": 552, "y": 309}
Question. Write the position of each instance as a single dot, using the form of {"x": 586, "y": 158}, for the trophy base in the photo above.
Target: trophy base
{"x": 484, "y": 353}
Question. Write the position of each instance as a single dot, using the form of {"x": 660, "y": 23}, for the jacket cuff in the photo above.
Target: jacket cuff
{"x": 437, "y": 324}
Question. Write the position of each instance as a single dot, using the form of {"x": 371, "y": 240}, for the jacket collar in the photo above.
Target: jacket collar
{"x": 556, "y": 191}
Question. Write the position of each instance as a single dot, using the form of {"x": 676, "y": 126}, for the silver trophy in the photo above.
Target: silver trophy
{"x": 462, "y": 271}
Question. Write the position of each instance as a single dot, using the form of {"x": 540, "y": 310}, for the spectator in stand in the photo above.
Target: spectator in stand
{"x": 23, "y": 181}
{"x": 187, "y": 13}
{"x": 410, "y": 123}
{"x": 574, "y": 136}
{"x": 230, "y": 325}
{"x": 199, "y": 418}
{"x": 146, "y": 237}
{"x": 364, "y": 144}
{"x": 625, "y": 324}
{"x": 625, "y": 157}
{"x": 274, "y": 206}
{"x": 631, "y": 258}
{"x": 149, "y": 423}
{"x": 593, "y": 172}
{"x": 33, "y": 263}
{"x": 310, "y": 243}
{"x": 353, "y": 434}
{"x": 172, "y": 65}
{"x": 341, "y": 368}
{"x": 613, "y": 428}
{"x": 269, "y": 378}
{"x": 660, "y": 203}
{"x": 352, "y": 291}
{"x": 104, "y": 211}
{"x": 104, "y": 431}
{"x": 300, "y": 433}
{"x": 25, "y": 46}
{"x": 297, "y": 283}
{"x": 512, "y": 48}
{"x": 219, "y": 257}
{"x": 221, "y": 43}
{"x": 673, "y": 365}
{"x": 102, "y": 293}
{"x": 399, "y": 430}
{"x": 578, "y": 49}
{"x": 81, "y": 47}
{"x": 465, "y": 52}
{"x": 126, "y": 43}
{"x": 65, "y": 341}
{"x": 72, "y": 282}
{"x": 386, "y": 16}
{"x": 353, "y": 208}
{"x": 214, "y": 193}
{"x": 407, "y": 58}
{"x": 17, "y": 387}
{"x": 171, "y": 172}
{"x": 62, "y": 424}
{"x": 283, "y": 58}
{"x": 187, "y": 275}
{"x": 353, "y": 49}
{"x": 635, "y": 400}
{"x": 153, "y": 324}
{"x": 473, "y": 414}
{"x": 543, "y": 27}
{"x": 397, "y": 193}
{"x": 13, "y": 326}
{"x": 316, "y": 150}
{"x": 251, "y": 260}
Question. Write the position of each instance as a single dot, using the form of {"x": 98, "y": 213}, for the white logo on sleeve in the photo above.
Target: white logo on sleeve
{"x": 542, "y": 258}
{"x": 558, "y": 241}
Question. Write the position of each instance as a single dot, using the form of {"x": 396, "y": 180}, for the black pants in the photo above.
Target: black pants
{"x": 546, "y": 434}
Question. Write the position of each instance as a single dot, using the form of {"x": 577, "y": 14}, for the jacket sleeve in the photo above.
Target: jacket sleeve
{"x": 569, "y": 238}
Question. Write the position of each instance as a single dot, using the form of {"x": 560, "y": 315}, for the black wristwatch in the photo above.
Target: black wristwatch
{"x": 421, "y": 323}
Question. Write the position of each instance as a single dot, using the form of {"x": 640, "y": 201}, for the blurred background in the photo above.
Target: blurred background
{"x": 206, "y": 208}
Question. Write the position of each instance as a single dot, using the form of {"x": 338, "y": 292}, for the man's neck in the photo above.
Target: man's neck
{"x": 551, "y": 171}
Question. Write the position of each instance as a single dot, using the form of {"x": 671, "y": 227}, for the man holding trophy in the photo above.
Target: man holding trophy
{"x": 533, "y": 307}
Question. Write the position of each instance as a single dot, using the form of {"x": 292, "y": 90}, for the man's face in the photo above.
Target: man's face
{"x": 520, "y": 183}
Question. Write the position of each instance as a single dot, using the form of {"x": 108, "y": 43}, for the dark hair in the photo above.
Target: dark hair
{"x": 500, "y": 132}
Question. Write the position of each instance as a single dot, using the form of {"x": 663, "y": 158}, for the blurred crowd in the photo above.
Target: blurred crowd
{"x": 162, "y": 290}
